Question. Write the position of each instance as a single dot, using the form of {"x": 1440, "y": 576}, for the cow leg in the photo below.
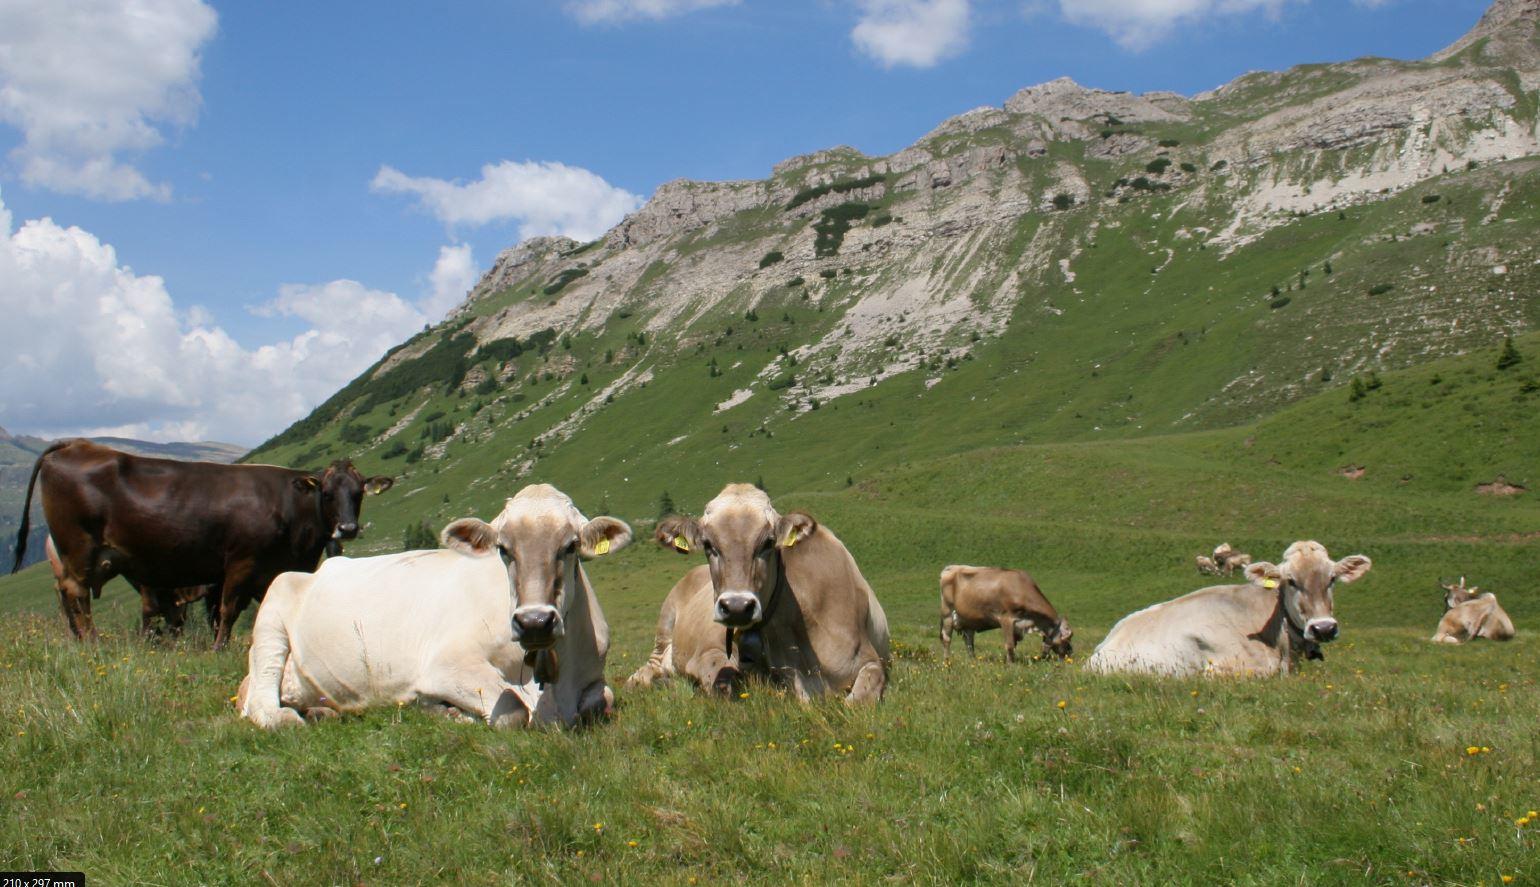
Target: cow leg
{"x": 483, "y": 691}
{"x": 968, "y": 639}
{"x": 714, "y": 671}
{"x": 238, "y": 591}
{"x": 154, "y": 602}
{"x": 946, "y": 637}
{"x": 869, "y": 684}
{"x": 1008, "y": 628}
{"x": 176, "y": 617}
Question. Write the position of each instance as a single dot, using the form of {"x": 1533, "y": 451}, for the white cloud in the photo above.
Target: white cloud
{"x": 918, "y": 33}
{"x": 88, "y": 80}
{"x": 453, "y": 275}
{"x": 544, "y": 198}
{"x": 1137, "y": 24}
{"x": 89, "y": 346}
{"x": 593, "y": 12}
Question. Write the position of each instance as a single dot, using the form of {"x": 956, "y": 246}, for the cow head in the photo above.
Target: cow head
{"x": 540, "y": 536}
{"x": 1304, "y": 581}
{"x": 742, "y": 537}
{"x": 1056, "y": 639}
{"x": 1457, "y": 594}
{"x": 340, "y": 490}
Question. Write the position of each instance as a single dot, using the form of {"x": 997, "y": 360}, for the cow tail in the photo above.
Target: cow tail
{"x": 26, "y": 506}
{"x": 269, "y": 655}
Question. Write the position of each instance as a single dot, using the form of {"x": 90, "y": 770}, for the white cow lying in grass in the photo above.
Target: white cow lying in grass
{"x": 1257, "y": 629}
{"x": 503, "y": 627}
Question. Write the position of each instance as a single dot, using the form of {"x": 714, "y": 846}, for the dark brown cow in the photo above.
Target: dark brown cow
{"x": 166, "y": 524}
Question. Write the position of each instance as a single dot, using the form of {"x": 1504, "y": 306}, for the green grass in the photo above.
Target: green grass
{"x": 127, "y": 761}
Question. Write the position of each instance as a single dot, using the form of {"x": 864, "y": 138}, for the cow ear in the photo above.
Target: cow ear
{"x": 1264, "y": 574}
{"x": 793, "y": 528}
{"x": 306, "y": 483}
{"x": 603, "y": 535}
{"x": 377, "y": 485}
{"x": 1352, "y": 567}
{"x": 470, "y": 536}
{"x": 680, "y": 533}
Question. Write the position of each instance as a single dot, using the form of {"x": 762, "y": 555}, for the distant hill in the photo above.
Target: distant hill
{"x": 19, "y": 452}
{"x": 1074, "y": 265}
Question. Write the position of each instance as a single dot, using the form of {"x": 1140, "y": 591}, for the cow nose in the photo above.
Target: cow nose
{"x": 738, "y": 609}
{"x": 348, "y": 530}
{"x": 1323, "y": 629}
{"x": 535, "y": 626}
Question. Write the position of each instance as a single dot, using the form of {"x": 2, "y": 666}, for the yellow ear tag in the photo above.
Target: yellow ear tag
{"x": 681, "y": 544}
{"x": 791, "y": 538}
{"x": 603, "y": 547}
{"x": 1269, "y": 583}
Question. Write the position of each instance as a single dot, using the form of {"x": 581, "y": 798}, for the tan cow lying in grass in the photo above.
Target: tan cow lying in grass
{"x": 975, "y": 599}
{"x": 1468, "y": 616}
{"x": 503, "y": 627}
{"x": 1257, "y": 629}
{"x": 779, "y": 595}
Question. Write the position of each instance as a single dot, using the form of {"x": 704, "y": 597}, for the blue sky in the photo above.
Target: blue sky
{"x": 288, "y": 170}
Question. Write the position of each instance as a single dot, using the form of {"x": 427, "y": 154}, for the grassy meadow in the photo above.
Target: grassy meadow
{"x": 1393, "y": 761}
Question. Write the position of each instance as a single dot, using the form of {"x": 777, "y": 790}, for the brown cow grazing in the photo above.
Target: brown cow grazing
{"x": 1468, "y": 616}
{"x": 779, "y": 596}
{"x": 166, "y": 524}
{"x": 166, "y": 604}
{"x": 1206, "y": 565}
{"x": 975, "y": 599}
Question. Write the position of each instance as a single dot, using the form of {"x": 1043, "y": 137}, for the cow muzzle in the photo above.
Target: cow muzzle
{"x": 537, "y": 627}
{"x": 345, "y": 531}
{"x": 1321, "y": 630}
{"x": 738, "y": 609}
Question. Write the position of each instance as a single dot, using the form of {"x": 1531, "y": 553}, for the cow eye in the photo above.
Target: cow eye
{"x": 504, "y": 553}
{"x": 711, "y": 550}
{"x": 766, "y": 546}
{"x": 570, "y": 548}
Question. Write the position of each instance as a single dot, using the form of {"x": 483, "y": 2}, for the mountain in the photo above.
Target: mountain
{"x": 1075, "y": 264}
{"x": 18, "y": 453}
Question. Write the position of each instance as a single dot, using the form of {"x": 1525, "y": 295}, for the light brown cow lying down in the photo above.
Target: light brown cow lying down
{"x": 1468, "y": 616}
{"x": 975, "y": 599}
{"x": 1257, "y": 629}
{"x": 779, "y": 596}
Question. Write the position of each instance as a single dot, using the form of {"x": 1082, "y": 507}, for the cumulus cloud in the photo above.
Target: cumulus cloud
{"x": 594, "y": 12}
{"x": 453, "y": 276}
{"x": 1137, "y": 24}
{"x": 89, "y": 80}
{"x": 544, "y": 198}
{"x": 916, "y": 33}
{"x": 91, "y": 347}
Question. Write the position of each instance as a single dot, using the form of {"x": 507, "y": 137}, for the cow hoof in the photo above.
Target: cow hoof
{"x": 321, "y": 713}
